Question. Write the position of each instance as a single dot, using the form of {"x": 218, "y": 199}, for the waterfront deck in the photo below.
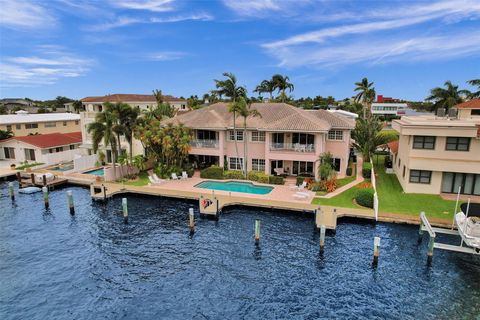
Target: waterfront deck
{"x": 281, "y": 197}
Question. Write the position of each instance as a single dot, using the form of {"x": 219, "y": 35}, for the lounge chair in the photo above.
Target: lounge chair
{"x": 184, "y": 175}
{"x": 300, "y": 195}
{"x": 156, "y": 178}
{"x": 154, "y": 182}
{"x": 174, "y": 176}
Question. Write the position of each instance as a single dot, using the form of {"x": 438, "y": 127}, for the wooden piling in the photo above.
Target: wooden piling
{"x": 44, "y": 178}
{"x": 322, "y": 237}
{"x": 125, "y": 210}
{"x": 19, "y": 179}
{"x": 257, "y": 231}
{"x": 45, "y": 196}
{"x": 431, "y": 243}
{"x": 11, "y": 191}
{"x": 376, "y": 250}
{"x": 32, "y": 176}
{"x": 191, "y": 220}
{"x": 70, "y": 202}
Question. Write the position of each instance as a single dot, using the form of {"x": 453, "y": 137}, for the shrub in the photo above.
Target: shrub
{"x": 213, "y": 172}
{"x": 364, "y": 197}
{"x": 300, "y": 180}
{"x": 317, "y": 186}
{"x": 233, "y": 174}
{"x": 364, "y": 185}
{"x": 257, "y": 176}
{"x": 276, "y": 180}
{"x": 330, "y": 185}
{"x": 367, "y": 170}
{"x": 349, "y": 171}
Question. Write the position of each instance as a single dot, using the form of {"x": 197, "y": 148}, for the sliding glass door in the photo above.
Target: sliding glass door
{"x": 468, "y": 183}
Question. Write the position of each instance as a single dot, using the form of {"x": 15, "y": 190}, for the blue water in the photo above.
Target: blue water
{"x": 65, "y": 167}
{"x": 96, "y": 172}
{"x": 92, "y": 266}
{"x": 245, "y": 187}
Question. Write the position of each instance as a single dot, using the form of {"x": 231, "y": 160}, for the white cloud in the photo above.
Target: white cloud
{"x": 259, "y": 8}
{"x": 149, "y": 5}
{"x": 166, "y": 55}
{"x": 24, "y": 14}
{"x": 47, "y": 66}
{"x": 126, "y": 21}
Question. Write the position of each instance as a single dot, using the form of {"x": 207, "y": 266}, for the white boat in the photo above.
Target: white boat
{"x": 468, "y": 224}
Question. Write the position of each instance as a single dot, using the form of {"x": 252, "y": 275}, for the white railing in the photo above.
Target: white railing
{"x": 204, "y": 143}
{"x": 63, "y": 156}
{"x": 376, "y": 203}
{"x": 297, "y": 147}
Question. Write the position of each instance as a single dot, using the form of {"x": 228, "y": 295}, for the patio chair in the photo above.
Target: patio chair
{"x": 174, "y": 176}
{"x": 153, "y": 182}
{"x": 184, "y": 175}
{"x": 300, "y": 195}
{"x": 156, "y": 178}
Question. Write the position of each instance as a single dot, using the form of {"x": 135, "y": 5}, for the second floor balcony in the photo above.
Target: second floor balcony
{"x": 295, "y": 147}
{"x": 204, "y": 143}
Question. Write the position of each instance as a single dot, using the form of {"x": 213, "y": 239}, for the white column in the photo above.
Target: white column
{"x": 267, "y": 152}
{"x": 221, "y": 148}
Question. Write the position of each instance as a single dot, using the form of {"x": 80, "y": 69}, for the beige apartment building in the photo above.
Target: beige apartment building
{"x": 440, "y": 154}
{"x": 23, "y": 123}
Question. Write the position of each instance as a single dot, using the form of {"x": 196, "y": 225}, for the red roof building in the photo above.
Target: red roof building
{"x": 51, "y": 140}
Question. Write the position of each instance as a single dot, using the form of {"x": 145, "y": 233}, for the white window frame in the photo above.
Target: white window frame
{"x": 237, "y": 161}
{"x": 258, "y": 165}
{"x": 231, "y": 135}
{"x": 335, "y": 135}
{"x": 257, "y": 136}
{"x": 51, "y": 124}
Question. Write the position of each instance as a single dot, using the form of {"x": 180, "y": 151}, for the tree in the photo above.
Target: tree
{"x": 281, "y": 83}
{"x": 5, "y": 134}
{"x": 266, "y": 86}
{"x": 3, "y": 110}
{"x": 366, "y": 94}
{"x": 367, "y": 136}
{"x": 476, "y": 94}
{"x": 229, "y": 88}
{"x": 103, "y": 129}
{"x": 326, "y": 170}
{"x": 245, "y": 111}
{"x": 77, "y": 106}
{"x": 447, "y": 97}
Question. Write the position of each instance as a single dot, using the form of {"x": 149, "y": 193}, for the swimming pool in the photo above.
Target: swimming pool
{"x": 96, "y": 172}
{"x": 245, "y": 187}
{"x": 64, "y": 167}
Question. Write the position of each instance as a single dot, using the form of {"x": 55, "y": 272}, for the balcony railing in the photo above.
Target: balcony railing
{"x": 297, "y": 147}
{"x": 204, "y": 143}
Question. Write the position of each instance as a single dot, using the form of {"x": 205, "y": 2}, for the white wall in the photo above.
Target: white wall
{"x": 64, "y": 156}
{"x": 84, "y": 163}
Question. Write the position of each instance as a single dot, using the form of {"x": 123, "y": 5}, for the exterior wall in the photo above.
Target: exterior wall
{"x": 60, "y": 126}
{"x": 467, "y": 114}
{"x": 341, "y": 150}
{"x": 438, "y": 160}
{"x": 41, "y": 155}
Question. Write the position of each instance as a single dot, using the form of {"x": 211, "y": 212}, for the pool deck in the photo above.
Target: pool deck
{"x": 281, "y": 197}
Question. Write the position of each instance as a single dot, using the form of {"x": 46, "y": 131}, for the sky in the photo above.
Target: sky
{"x": 79, "y": 48}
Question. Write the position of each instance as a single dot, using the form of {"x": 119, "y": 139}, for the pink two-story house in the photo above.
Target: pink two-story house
{"x": 284, "y": 139}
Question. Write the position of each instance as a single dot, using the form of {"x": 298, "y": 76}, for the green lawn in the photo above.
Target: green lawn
{"x": 142, "y": 180}
{"x": 393, "y": 200}
{"x": 344, "y": 181}
{"x": 344, "y": 199}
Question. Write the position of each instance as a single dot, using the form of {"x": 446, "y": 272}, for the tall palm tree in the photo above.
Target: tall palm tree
{"x": 229, "y": 88}
{"x": 266, "y": 86}
{"x": 366, "y": 94}
{"x": 77, "y": 106}
{"x": 281, "y": 83}
{"x": 367, "y": 136}
{"x": 447, "y": 97}
{"x": 103, "y": 129}
{"x": 476, "y": 94}
{"x": 245, "y": 111}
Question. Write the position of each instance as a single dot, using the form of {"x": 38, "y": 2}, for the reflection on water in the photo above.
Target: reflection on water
{"x": 92, "y": 266}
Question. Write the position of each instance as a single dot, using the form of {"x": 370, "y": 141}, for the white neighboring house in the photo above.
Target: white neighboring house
{"x": 93, "y": 105}
{"x": 49, "y": 148}
{"x": 389, "y": 108}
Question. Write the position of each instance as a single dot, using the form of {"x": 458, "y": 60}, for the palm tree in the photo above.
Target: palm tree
{"x": 229, "y": 88}
{"x": 366, "y": 94}
{"x": 367, "y": 136}
{"x": 245, "y": 111}
{"x": 476, "y": 94}
{"x": 447, "y": 97}
{"x": 266, "y": 86}
{"x": 103, "y": 129}
{"x": 282, "y": 83}
{"x": 77, "y": 106}
{"x": 5, "y": 134}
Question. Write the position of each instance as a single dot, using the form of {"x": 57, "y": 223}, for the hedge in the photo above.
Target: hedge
{"x": 276, "y": 180}
{"x": 213, "y": 172}
{"x": 364, "y": 197}
{"x": 367, "y": 170}
{"x": 258, "y": 176}
{"x": 233, "y": 174}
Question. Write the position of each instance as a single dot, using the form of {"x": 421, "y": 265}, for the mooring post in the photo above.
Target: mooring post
{"x": 257, "y": 231}
{"x": 11, "y": 191}
{"x": 32, "y": 176}
{"x": 191, "y": 220}
{"x": 70, "y": 202}
{"x": 431, "y": 243}
{"x": 45, "y": 196}
{"x": 19, "y": 178}
{"x": 125, "y": 210}
{"x": 376, "y": 250}
{"x": 420, "y": 229}
{"x": 44, "y": 180}
{"x": 322, "y": 237}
